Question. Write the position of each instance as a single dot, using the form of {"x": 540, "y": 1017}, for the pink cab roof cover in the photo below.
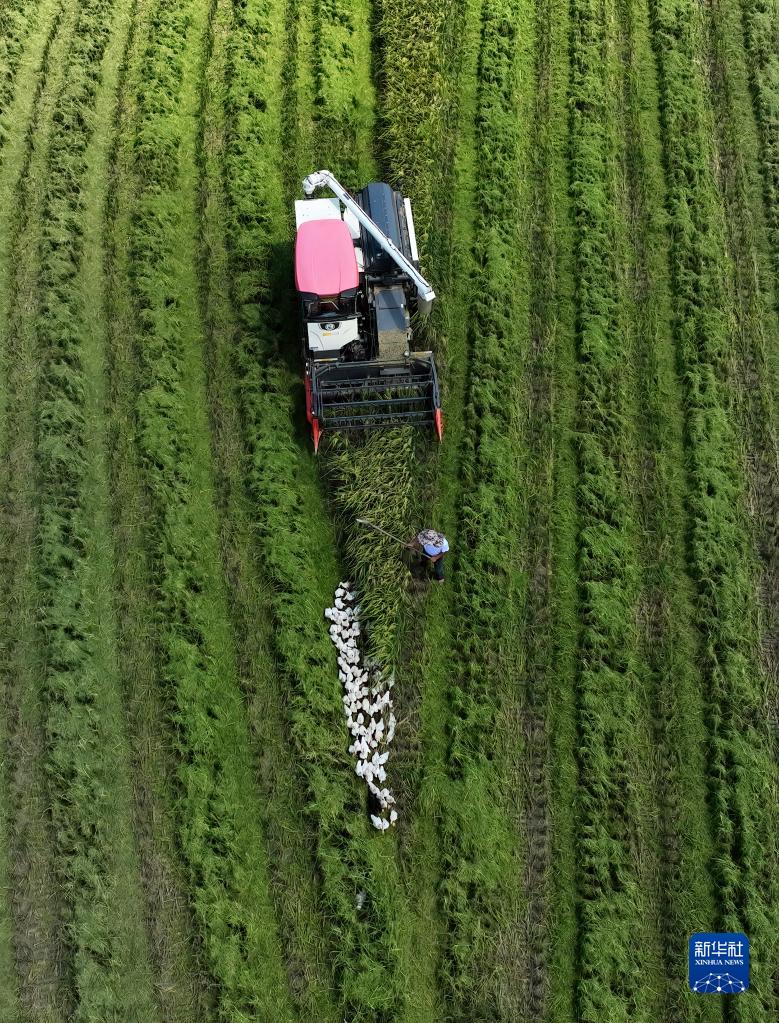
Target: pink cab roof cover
{"x": 325, "y": 262}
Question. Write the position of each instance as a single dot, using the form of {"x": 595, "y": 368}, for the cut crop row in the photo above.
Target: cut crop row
{"x": 619, "y": 945}
{"x": 17, "y": 17}
{"x": 755, "y": 356}
{"x": 34, "y": 889}
{"x": 221, "y": 841}
{"x": 87, "y": 749}
{"x": 294, "y": 878}
{"x": 666, "y": 610}
{"x": 480, "y": 860}
{"x": 295, "y": 540}
{"x": 761, "y": 24}
{"x": 742, "y": 770}
{"x": 433, "y": 46}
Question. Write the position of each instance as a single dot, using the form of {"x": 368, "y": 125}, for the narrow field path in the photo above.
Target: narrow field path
{"x": 35, "y": 906}
{"x": 554, "y": 313}
{"x": 463, "y": 793}
{"x": 293, "y": 872}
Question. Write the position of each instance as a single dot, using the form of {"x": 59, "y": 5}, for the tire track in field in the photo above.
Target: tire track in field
{"x": 754, "y": 300}
{"x": 17, "y": 25}
{"x": 36, "y": 906}
{"x": 293, "y": 872}
{"x": 550, "y": 921}
{"x": 538, "y": 622}
{"x": 180, "y": 981}
{"x": 684, "y": 895}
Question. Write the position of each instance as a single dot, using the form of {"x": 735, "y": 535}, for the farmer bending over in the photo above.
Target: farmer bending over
{"x": 432, "y": 546}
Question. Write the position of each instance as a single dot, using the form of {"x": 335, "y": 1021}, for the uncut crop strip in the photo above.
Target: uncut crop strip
{"x": 615, "y": 793}
{"x": 293, "y": 873}
{"x": 220, "y": 838}
{"x": 87, "y": 761}
{"x": 35, "y": 907}
{"x": 294, "y": 537}
{"x": 742, "y": 770}
{"x": 754, "y": 362}
{"x": 343, "y": 112}
{"x": 666, "y": 611}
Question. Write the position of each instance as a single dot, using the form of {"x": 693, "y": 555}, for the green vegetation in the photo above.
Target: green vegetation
{"x": 741, "y": 764}
{"x": 585, "y": 756}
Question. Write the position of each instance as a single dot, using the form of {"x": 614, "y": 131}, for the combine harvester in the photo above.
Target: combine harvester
{"x": 357, "y": 275}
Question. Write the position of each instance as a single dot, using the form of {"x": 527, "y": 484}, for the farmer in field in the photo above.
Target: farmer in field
{"x": 432, "y": 546}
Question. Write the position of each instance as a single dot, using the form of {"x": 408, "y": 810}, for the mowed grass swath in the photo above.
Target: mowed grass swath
{"x": 586, "y": 758}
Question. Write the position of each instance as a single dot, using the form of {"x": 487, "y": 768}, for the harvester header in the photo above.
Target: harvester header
{"x": 357, "y": 275}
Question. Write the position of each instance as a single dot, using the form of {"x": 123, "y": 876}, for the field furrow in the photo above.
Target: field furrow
{"x": 666, "y": 610}
{"x": 35, "y": 908}
{"x": 617, "y": 839}
{"x": 741, "y": 768}
{"x": 217, "y": 796}
{"x": 295, "y": 883}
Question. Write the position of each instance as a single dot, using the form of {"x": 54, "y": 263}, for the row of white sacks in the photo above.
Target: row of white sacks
{"x": 367, "y": 704}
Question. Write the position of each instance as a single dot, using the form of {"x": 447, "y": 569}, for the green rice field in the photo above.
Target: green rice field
{"x": 586, "y": 763}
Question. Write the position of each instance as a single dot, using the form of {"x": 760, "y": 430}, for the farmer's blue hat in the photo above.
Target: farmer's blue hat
{"x": 432, "y": 549}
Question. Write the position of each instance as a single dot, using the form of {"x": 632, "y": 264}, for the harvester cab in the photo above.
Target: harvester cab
{"x": 358, "y": 280}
